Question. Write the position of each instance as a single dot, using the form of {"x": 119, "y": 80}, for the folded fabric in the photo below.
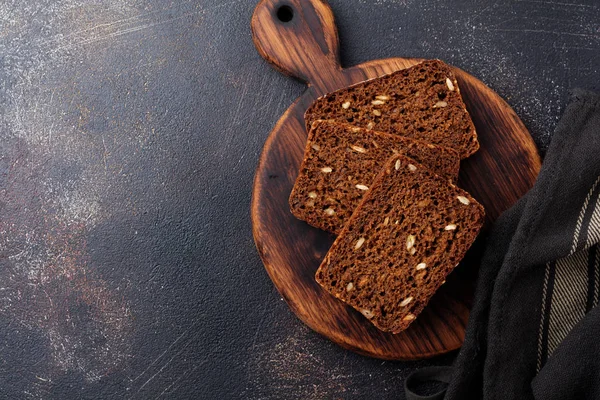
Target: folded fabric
{"x": 573, "y": 370}
{"x": 531, "y": 333}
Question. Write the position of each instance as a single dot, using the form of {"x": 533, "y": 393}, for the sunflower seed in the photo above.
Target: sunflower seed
{"x": 463, "y": 200}
{"x": 359, "y": 243}
{"x": 410, "y": 242}
{"x": 406, "y": 301}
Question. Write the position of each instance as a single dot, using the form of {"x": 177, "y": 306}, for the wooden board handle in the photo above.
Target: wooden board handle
{"x": 298, "y": 37}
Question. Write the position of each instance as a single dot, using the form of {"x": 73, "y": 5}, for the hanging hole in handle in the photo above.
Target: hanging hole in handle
{"x": 285, "y": 13}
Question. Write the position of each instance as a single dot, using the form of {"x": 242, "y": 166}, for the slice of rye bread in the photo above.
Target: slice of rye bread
{"x": 340, "y": 163}
{"x": 421, "y": 102}
{"x": 409, "y": 232}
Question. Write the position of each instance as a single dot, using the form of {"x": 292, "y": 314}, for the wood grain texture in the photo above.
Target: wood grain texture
{"x": 306, "y": 47}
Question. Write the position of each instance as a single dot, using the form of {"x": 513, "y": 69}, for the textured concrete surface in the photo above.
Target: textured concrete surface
{"x": 129, "y": 134}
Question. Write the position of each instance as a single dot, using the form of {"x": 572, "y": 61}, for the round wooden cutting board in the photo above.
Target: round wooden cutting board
{"x": 299, "y": 38}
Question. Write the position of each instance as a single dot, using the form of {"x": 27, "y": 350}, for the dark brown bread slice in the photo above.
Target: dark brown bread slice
{"x": 421, "y": 102}
{"x": 409, "y": 232}
{"x": 340, "y": 163}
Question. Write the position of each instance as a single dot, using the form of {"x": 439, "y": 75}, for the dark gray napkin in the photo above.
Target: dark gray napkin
{"x": 531, "y": 334}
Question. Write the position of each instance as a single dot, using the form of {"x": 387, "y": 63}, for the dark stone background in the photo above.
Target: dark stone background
{"x": 129, "y": 135}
